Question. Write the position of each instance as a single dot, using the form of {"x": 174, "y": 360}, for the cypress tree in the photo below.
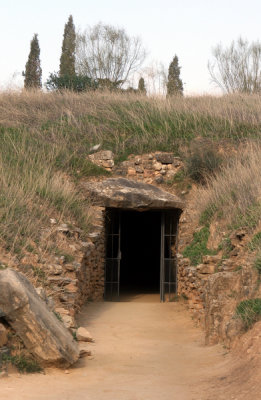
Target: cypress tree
{"x": 141, "y": 86}
{"x": 67, "y": 60}
{"x": 174, "y": 85}
{"x": 33, "y": 70}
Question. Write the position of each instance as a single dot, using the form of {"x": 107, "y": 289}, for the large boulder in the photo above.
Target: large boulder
{"x": 44, "y": 336}
{"x": 125, "y": 193}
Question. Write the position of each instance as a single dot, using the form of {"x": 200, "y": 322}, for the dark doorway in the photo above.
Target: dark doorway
{"x": 140, "y": 252}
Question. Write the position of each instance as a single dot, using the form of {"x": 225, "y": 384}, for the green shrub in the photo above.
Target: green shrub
{"x": 198, "y": 247}
{"x": 76, "y": 83}
{"x": 249, "y": 311}
{"x": 23, "y": 363}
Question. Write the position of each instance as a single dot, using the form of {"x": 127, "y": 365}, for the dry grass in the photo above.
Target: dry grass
{"x": 235, "y": 192}
{"x": 45, "y": 138}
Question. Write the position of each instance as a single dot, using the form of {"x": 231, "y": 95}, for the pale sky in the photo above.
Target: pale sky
{"x": 188, "y": 28}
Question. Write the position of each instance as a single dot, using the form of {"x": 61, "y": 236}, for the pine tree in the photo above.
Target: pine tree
{"x": 141, "y": 86}
{"x": 67, "y": 60}
{"x": 174, "y": 85}
{"x": 33, "y": 70}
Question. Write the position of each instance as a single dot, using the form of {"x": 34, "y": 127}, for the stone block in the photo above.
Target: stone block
{"x": 108, "y": 163}
{"x": 83, "y": 335}
{"x": 211, "y": 259}
{"x": 131, "y": 171}
{"x": 206, "y": 268}
{"x": 157, "y": 166}
{"x": 45, "y": 337}
{"x": 102, "y": 155}
{"x": 164, "y": 158}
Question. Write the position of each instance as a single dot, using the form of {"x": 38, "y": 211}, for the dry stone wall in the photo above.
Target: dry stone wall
{"x": 215, "y": 287}
{"x": 156, "y": 167}
{"x": 90, "y": 275}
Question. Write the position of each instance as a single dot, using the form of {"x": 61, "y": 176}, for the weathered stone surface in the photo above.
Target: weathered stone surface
{"x": 157, "y": 166}
{"x": 206, "y": 268}
{"x": 102, "y": 155}
{"x": 124, "y": 193}
{"x": 164, "y": 158}
{"x": 159, "y": 179}
{"x": 84, "y": 350}
{"x": 41, "y": 332}
{"x": 3, "y": 335}
{"x": 83, "y": 335}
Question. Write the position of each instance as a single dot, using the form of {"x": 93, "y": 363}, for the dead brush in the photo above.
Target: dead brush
{"x": 235, "y": 192}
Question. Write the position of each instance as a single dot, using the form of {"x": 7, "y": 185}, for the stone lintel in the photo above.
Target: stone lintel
{"x": 128, "y": 194}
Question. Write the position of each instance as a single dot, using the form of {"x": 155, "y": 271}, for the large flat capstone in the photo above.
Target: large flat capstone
{"x": 44, "y": 336}
{"x": 129, "y": 194}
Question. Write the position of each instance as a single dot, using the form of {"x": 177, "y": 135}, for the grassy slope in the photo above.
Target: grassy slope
{"x": 45, "y": 139}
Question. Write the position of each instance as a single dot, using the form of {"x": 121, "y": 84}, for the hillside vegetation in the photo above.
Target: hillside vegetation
{"x": 46, "y": 137}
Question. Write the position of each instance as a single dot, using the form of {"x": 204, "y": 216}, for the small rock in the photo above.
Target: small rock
{"x": 62, "y": 311}
{"x": 131, "y": 171}
{"x": 157, "y": 166}
{"x": 63, "y": 228}
{"x": 211, "y": 259}
{"x": 68, "y": 321}
{"x": 108, "y": 163}
{"x": 159, "y": 179}
{"x": 177, "y": 162}
{"x": 60, "y": 281}
{"x": 53, "y": 221}
{"x": 139, "y": 169}
{"x": 206, "y": 268}
{"x": 69, "y": 267}
{"x": 147, "y": 174}
{"x": 96, "y": 147}
{"x": 55, "y": 269}
{"x": 137, "y": 161}
{"x": 66, "y": 371}
{"x": 71, "y": 288}
{"x": 106, "y": 155}
{"x": 164, "y": 158}
{"x": 84, "y": 351}
{"x": 83, "y": 335}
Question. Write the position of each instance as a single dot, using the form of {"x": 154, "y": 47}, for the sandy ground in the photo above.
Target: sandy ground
{"x": 144, "y": 350}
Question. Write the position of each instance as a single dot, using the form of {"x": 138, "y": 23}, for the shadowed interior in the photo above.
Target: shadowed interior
{"x": 140, "y": 251}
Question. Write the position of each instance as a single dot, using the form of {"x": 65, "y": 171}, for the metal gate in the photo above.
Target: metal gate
{"x": 113, "y": 255}
{"x": 168, "y": 260}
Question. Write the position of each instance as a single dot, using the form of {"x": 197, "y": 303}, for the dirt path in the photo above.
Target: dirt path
{"x": 143, "y": 351}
